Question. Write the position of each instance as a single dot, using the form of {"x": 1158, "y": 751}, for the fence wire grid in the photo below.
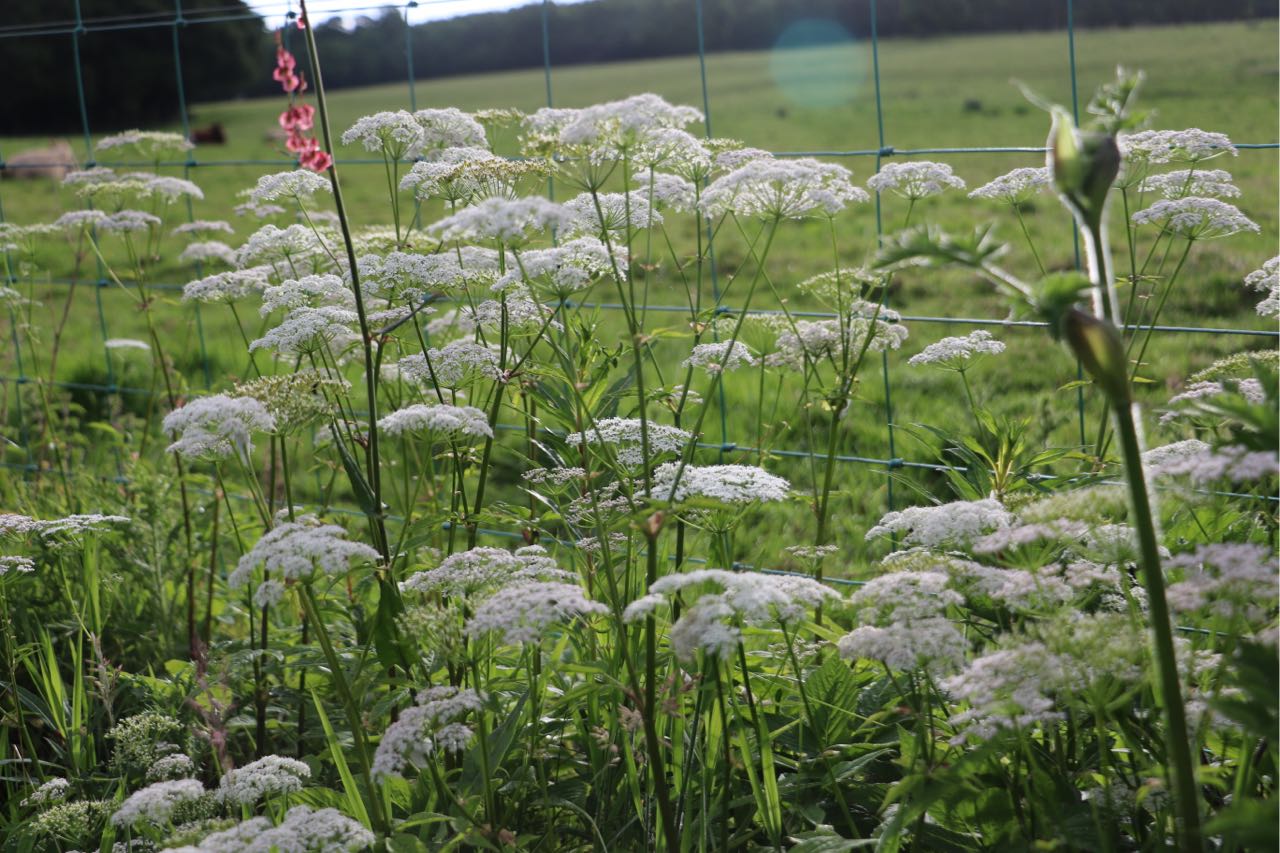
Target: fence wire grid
{"x": 177, "y": 20}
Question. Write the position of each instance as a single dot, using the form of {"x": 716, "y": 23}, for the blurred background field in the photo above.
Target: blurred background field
{"x": 936, "y": 93}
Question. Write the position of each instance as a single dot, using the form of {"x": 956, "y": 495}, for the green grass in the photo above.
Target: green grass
{"x": 1218, "y": 77}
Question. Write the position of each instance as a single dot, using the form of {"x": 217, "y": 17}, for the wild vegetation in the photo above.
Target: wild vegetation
{"x": 473, "y": 541}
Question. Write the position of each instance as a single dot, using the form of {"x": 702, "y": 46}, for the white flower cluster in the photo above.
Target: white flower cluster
{"x": 410, "y": 276}
{"x": 177, "y": 765}
{"x": 955, "y": 524}
{"x": 1175, "y": 146}
{"x": 128, "y": 221}
{"x": 1006, "y": 689}
{"x": 305, "y": 330}
{"x": 227, "y": 286}
{"x": 1267, "y": 280}
{"x": 435, "y": 719}
{"x": 710, "y": 624}
{"x": 303, "y": 830}
{"x": 522, "y": 611}
{"x": 156, "y": 803}
{"x": 1200, "y": 393}
{"x": 563, "y": 269}
{"x": 295, "y": 549}
{"x": 215, "y": 427}
{"x": 15, "y": 563}
{"x": 914, "y": 179}
{"x": 53, "y": 791}
{"x": 126, "y": 344}
{"x": 269, "y": 776}
{"x": 730, "y": 484}
{"x": 205, "y": 251}
{"x": 1215, "y": 183}
{"x": 673, "y": 192}
{"x": 449, "y": 127}
{"x": 395, "y": 134}
{"x": 451, "y": 366}
{"x": 623, "y": 434}
{"x": 12, "y": 524}
{"x": 770, "y": 188}
{"x": 269, "y": 245}
{"x": 813, "y": 340}
{"x": 149, "y": 143}
{"x": 1179, "y": 451}
{"x": 1226, "y": 578}
{"x": 468, "y": 572}
{"x": 310, "y": 291}
{"x": 720, "y": 355}
{"x": 1017, "y": 186}
{"x": 297, "y": 184}
{"x": 605, "y": 131}
{"x": 512, "y": 222}
{"x": 904, "y": 622}
{"x": 204, "y": 226}
{"x": 517, "y": 312}
{"x": 1232, "y": 463}
{"x": 1196, "y": 218}
{"x": 956, "y": 353}
{"x": 595, "y": 214}
{"x": 441, "y": 419}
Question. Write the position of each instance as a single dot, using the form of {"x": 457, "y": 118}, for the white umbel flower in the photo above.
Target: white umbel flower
{"x": 227, "y": 286}
{"x": 615, "y": 213}
{"x": 303, "y": 830}
{"x": 156, "y": 803}
{"x": 310, "y": 291}
{"x": 441, "y": 419}
{"x": 208, "y": 250}
{"x": 295, "y": 549}
{"x": 1175, "y": 146}
{"x": 564, "y": 269}
{"x": 449, "y": 127}
{"x": 957, "y": 352}
{"x": 297, "y": 185}
{"x": 468, "y": 572}
{"x": 512, "y": 222}
{"x": 411, "y": 739}
{"x": 451, "y": 366}
{"x": 948, "y": 525}
{"x": 623, "y": 434}
{"x": 53, "y": 791}
{"x": 217, "y": 426}
{"x": 1015, "y": 187}
{"x": 1267, "y": 280}
{"x": 769, "y": 188}
{"x": 1196, "y": 218}
{"x": 393, "y": 134}
{"x": 306, "y": 330}
{"x": 731, "y": 484}
{"x": 1215, "y": 183}
{"x": 127, "y": 343}
{"x": 720, "y": 355}
{"x": 204, "y": 226}
{"x": 521, "y": 612}
{"x": 269, "y": 776}
{"x": 915, "y": 179}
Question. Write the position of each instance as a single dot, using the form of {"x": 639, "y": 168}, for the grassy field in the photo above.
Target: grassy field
{"x": 937, "y": 93}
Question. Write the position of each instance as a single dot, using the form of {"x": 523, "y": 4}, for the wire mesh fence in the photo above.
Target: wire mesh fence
{"x": 178, "y": 21}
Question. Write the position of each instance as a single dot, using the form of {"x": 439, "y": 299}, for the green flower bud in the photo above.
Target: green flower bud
{"x": 1098, "y": 346}
{"x": 1084, "y": 165}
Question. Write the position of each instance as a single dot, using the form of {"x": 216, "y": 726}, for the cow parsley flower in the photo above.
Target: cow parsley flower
{"x": 295, "y": 549}
{"x": 411, "y": 739}
{"x": 1232, "y": 463}
{"x": 440, "y": 419}
{"x": 311, "y": 291}
{"x": 54, "y": 791}
{"x": 1017, "y": 186}
{"x": 149, "y": 143}
{"x": 208, "y": 250}
{"x": 1215, "y": 183}
{"x": 394, "y": 134}
{"x": 1196, "y": 218}
{"x": 227, "y": 286}
{"x": 731, "y": 484}
{"x": 269, "y": 776}
{"x": 810, "y": 341}
{"x": 297, "y": 185}
{"x": 675, "y": 150}
{"x": 126, "y": 344}
{"x": 304, "y": 830}
{"x": 672, "y": 192}
{"x": 14, "y": 563}
{"x": 914, "y": 179}
{"x": 521, "y": 612}
{"x": 296, "y": 244}
{"x": 957, "y": 353}
{"x": 1177, "y": 452}
{"x": 1006, "y": 690}
{"x": 156, "y": 803}
{"x": 711, "y": 624}
{"x": 617, "y": 213}
{"x": 449, "y": 128}
{"x": 605, "y": 131}
{"x": 932, "y": 644}
{"x": 1267, "y": 280}
{"x": 410, "y": 276}
{"x": 721, "y": 355}
{"x": 949, "y": 525}
{"x": 204, "y": 226}
{"x": 564, "y": 269}
{"x": 294, "y": 400}
{"x": 452, "y": 365}
{"x": 175, "y": 766}
{"x": 516, "y": 313}
{"x": 128, "y": 221}
{"x": 769, "y": 188}
{"x": 305, "y": 330}
{"x": 215, "y": 427}
{"x": 512, "y": 222}
{"x": 80, "y": 220}
{"x": 468, "y": 572}
{"x": 1175, "y": 146}
{"x": 623, "y": 435}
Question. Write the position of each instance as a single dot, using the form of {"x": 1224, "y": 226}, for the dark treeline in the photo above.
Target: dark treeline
{"x": 129, "y": 74}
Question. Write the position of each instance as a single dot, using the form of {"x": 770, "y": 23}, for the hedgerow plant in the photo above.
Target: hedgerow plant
{"x": 283, "y": 624}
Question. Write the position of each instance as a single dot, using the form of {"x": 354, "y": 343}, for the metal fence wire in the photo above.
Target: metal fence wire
{"x": 178, "y": 20}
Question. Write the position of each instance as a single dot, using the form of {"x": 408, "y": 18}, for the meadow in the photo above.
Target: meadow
{"x": 503, "y": 525}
